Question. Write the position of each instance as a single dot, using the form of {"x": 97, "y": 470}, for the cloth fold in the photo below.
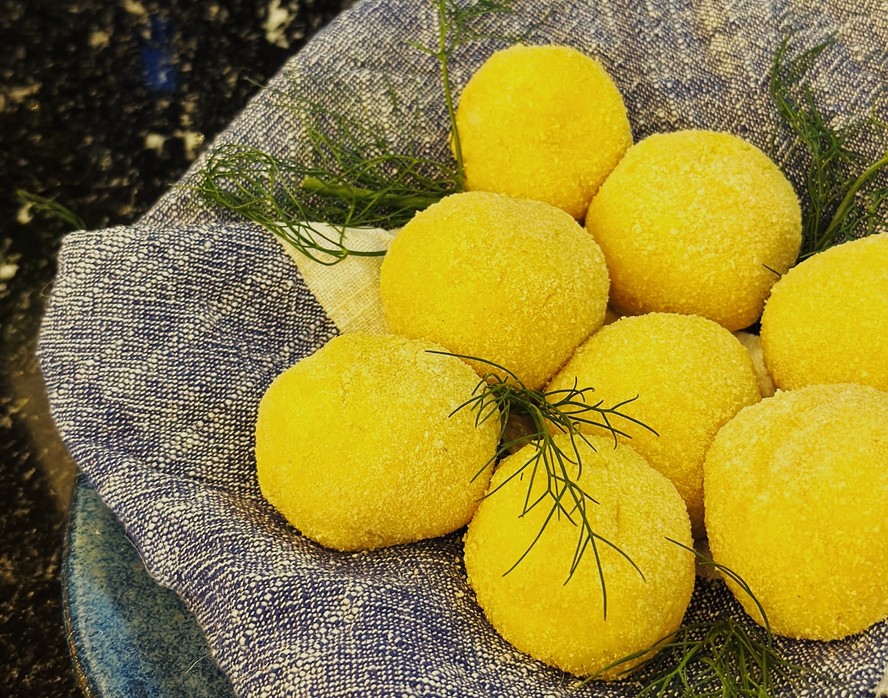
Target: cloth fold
{"x": 161, "y": 337}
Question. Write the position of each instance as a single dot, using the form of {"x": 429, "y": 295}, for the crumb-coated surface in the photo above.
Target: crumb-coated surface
{"x": 560, "y": 623}
{"x": 696, "y": 222}
{"x": 357, "y": 447}
{"x": 542, "y": 122}
{"x": 690, "y": 375}
{"x": 827, "y": 319}
{"x": 795, "y": 490}
{"x": 512, "y": 281}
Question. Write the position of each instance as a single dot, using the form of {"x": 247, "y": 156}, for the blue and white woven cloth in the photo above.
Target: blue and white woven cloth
{"x": 162, "y": 336}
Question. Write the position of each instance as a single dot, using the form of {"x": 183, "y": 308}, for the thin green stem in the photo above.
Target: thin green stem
{"x": 722, "y": 656}
{"x": 50, "y": 208}
{"x": 848, "y": 200}
{"x": 443, "y": 56}
{"x": 352, "y": 176}
{"x": 837, "y": 202}
{"x": 500, "y": 393}
{"x": 346, "y": 192}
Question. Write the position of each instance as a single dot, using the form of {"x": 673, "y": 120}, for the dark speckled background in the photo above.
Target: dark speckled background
{"x": 103, "y": 104}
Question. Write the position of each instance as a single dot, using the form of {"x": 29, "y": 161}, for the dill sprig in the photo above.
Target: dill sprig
{"x": 359, "y": 186}
{"x": 840, "y": 198}
{"x": 50, "y": 208}
{"x": 501, "y": 394}
{"x": 722, "y": 656}
{"x": 352, "y": 177}
{"x": 457, "y": 26}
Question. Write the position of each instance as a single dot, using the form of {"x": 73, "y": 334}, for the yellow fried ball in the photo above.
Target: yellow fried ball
{"x": 690, "y": 375}
{"x": 542, "y": 122}
{"x": 827, "y": 319}
{"x": 512, "y": 281}
{"x": 696, "y": 222}
{"x": 563, "y": 624}
{"x": 796, "y": 488}
{"x": 357, "y": 448}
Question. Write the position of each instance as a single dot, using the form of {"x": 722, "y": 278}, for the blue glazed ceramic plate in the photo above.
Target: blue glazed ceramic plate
{"x": 128, "y": 636}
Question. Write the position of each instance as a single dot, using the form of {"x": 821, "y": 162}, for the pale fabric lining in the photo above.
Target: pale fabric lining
{"x": 882, "y": 688}
{"x": 348, "y": 291}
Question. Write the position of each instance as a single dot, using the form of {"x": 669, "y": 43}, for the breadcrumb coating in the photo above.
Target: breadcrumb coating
{"x": 561, "y": 623}
{"x": 696, "y": 222}
{"x": 542, "y": 122}
{"x": 357, "y": 448}
{"x": 827, "y": 319}
{"x": 795, "y": 493}
{"x": 690, "y": 375}
{"x": 513, "y": 281}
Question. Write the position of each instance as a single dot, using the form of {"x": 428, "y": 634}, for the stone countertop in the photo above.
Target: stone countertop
{"x": 103, "y": 105}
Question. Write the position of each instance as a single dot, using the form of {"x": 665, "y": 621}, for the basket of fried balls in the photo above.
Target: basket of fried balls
{"x": 775, "y": 448}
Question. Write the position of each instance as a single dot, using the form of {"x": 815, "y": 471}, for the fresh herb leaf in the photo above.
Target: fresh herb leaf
{"x": 723, "y": 656}
{"x": 500, "y": 394}
{"x": 366, "y": 187}
{"x": 51, "y": 208}
{"x": 842, "y": 198}
{"x": 353, "y": 177}
{"x": 457, "y": 26}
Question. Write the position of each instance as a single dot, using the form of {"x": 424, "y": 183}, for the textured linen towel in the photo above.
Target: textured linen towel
{"x": 162, "y": 336}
